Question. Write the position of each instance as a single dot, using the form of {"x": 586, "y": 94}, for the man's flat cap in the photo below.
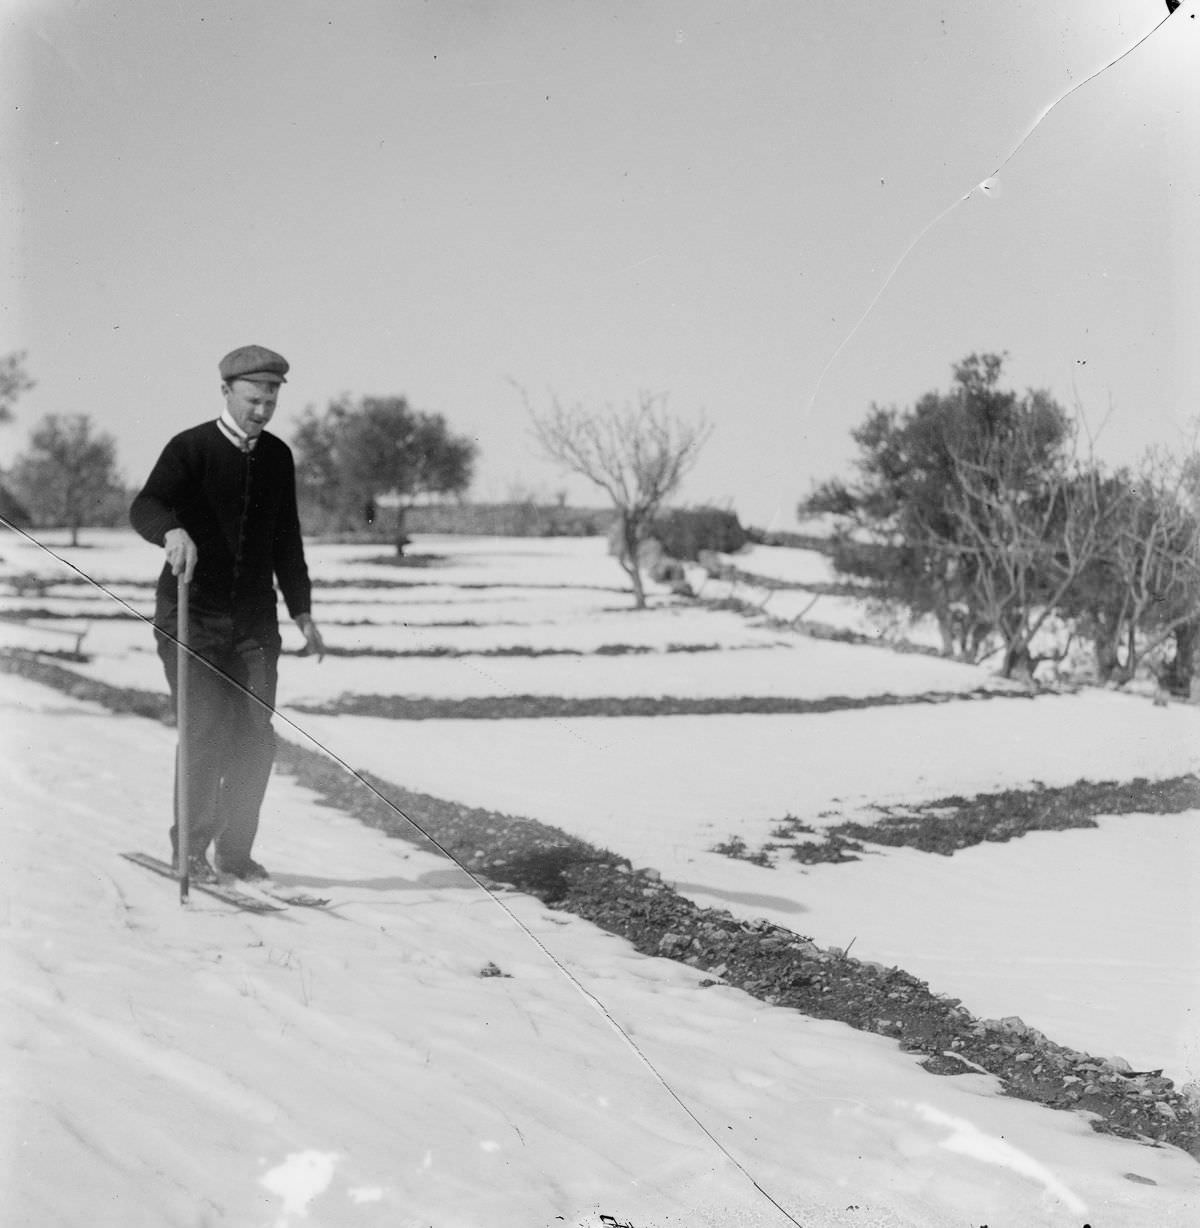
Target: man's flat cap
{"x": 254, "y": 362}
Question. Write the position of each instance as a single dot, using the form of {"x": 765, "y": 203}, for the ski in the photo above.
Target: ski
{"x": 220, "y": 891}
{"x": 281, "y": 895}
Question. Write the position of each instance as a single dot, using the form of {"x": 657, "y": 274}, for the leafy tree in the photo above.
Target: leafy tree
{"x": 13, "y": 382}
{"x": 637, "y": 456}
{"x": 966, "y": 510}
{"x": 68, "y": 472}
{"x": 357, "y": 452}
{"x": 315, "y": 443}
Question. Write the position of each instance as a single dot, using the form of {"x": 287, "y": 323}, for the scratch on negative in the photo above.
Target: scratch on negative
{"x": 985, "y": 185}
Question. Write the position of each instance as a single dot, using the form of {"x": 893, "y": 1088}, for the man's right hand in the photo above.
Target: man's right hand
{"x": 181, "y": 553}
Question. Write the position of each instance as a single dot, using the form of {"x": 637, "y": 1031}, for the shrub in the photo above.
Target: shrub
{"x": 684, "y": 532}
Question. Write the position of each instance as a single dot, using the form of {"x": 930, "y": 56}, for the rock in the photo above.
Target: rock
{"x": 673, "y": 944}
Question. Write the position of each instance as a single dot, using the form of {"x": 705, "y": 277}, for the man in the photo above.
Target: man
{"x": 221, "y": 501}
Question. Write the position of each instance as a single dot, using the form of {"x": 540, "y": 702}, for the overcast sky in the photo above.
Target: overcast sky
{"x": 768, "y": 211}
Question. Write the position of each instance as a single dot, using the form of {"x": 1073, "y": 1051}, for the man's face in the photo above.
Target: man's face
{"x": 250, "y": 404}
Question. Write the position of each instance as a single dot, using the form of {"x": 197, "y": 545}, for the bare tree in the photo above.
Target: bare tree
{"x": 1025, "y": 533}
{"x": 638, "y": 456}
{"x": 1156, "y": 558}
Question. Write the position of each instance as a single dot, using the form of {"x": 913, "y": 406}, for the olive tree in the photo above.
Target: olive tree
{"x": 975, "y": 510}
{"x": 14, "y": 380}
{"x": 358, "y": 451}
{"x": 68, "y": 472}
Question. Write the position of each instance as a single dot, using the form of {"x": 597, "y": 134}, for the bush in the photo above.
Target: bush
{"x": 685, "y": 532}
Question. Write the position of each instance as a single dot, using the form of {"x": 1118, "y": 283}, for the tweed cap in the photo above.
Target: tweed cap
{"x": 254, "y": 362}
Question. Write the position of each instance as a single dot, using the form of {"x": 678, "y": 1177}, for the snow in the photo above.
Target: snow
{"x": 658, "y": 782}
{"x": 355, "y": 1069}
{"x": 801, "y": 670}
{"x": 199, "y": 1066}
{"x": 791, "y": 566}
{"x": 802, "y": 608}
{"x": 662, "y": 791}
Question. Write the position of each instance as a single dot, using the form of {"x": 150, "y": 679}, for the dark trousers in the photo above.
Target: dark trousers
{"x": 230, "y": 742}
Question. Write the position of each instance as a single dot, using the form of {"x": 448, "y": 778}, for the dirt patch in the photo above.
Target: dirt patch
{"x": 948, "y": 824}
{"x": 44, "y": 615}
{"x": 523, "y": 650}
{"x": 818, "y": 588}
{"x": 767, "y": 961}
{"x": 556, "y": 707}
{"x": 816, "y": 630}
{"x": 437, "y": 560}
{"x": 405, "y": 560}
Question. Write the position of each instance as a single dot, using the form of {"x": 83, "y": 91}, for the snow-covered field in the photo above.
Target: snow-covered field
{"x": 205, "y": 1067}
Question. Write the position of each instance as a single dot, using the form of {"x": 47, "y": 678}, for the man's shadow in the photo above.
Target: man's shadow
{"x": 431, "y": 879}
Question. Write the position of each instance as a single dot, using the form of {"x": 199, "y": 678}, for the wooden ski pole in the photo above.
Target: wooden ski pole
{"x": 182, "y": 633}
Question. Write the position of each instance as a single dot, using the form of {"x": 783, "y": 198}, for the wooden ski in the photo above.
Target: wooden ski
{"x": 220, "y": 891}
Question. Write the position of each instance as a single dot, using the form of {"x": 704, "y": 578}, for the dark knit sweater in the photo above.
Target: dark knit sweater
{"x": 240, "y": 510}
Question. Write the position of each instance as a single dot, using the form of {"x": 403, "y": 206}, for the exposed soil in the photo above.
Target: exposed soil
{"x": 44, "y": 615}
{"x": 816, "y": 630}
{"x": 405, "y": 560}
{"x": 433, "y": 560}
{"x": 556, "y": 707}
{"x": 771, "y": 963}
{"x": 32, "y": 582}
{"x": 818, "y": 588}
{"x": 948, "y": 824}
{"x": 523, "y": 650}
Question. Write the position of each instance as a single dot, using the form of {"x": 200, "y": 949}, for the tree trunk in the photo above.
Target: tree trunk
{"x": 639, "y": 591}
{"x": 1176, "y": 678}
{"x": 630, "y": 541}
{"x": 1019, "y": 662}
{"x": 976, "y": 639}
{"x": 401, "y": 537}
{"x": 1108, "y": 659}
{"x": 946, "y": 624}
{"x": 630, "y": 567}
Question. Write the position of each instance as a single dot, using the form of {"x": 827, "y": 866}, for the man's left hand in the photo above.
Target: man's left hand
{"x": 314, "y": 645}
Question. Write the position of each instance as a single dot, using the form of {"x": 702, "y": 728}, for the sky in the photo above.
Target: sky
{"x": 770, "y": 213}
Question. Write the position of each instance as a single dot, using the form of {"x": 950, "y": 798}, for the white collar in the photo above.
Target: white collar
{"x": 234, "y": 433}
